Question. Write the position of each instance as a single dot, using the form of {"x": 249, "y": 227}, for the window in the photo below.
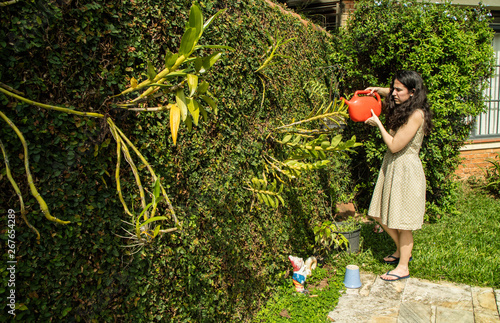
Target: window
{"x": 487, "y": 124}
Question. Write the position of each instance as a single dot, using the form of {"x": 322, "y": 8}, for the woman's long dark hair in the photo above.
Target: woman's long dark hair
{"x": 398, "y": 114}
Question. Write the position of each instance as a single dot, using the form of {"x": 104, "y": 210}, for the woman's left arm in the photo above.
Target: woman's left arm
{"x": 403, "y": 135}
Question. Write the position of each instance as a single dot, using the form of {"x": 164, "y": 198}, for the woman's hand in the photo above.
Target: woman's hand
{"x": 383, "y": 91}
{"x": 373, "y": 120}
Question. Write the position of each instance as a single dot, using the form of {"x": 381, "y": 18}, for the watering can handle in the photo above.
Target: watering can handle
{"x": 366, "y": 92}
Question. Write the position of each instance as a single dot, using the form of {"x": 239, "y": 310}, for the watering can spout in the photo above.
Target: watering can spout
{"x": 360, "y": 106}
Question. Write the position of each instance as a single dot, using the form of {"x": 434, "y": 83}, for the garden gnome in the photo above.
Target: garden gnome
{"x": 301, "y": 270}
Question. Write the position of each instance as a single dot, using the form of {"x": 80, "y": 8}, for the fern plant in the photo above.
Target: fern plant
{"x": 308, "y": 148}
{"x": 317, "y": 91}
{"x": 493, "y": 175}
{"x": 267, "y": 193}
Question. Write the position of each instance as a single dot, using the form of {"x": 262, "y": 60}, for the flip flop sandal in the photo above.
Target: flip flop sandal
{"x": 394, "y": 275}
{"x": 395, "y": 261}
{"x": 392, "y": 262}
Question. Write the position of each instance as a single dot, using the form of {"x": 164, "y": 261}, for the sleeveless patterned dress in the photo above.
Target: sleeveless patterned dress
{"x": 399, "y": 195}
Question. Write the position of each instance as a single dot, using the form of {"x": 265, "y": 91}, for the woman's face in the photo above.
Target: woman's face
{"x": 401, "y": 92}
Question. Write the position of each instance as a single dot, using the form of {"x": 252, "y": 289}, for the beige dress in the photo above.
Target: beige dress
{"x": 399, "y": 196}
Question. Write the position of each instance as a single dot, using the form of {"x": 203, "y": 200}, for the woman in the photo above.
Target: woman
{"x": 398, "y": 201}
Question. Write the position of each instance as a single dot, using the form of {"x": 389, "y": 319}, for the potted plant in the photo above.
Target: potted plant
{"x": 326, "y": 235}
{"x": 350, "y": 229}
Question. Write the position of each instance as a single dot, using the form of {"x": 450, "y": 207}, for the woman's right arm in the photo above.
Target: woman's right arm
{"x": 383, "y": 91}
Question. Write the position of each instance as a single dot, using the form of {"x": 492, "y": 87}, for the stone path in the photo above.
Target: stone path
{"x": 416, "y": 300}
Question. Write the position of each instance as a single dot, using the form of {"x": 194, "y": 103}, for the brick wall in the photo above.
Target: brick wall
{"x": 474, "y": 157}
{"x": 347, "y": 9}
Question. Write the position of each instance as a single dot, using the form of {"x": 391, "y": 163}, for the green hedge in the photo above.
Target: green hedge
{"x": 231, "y": 252}
{"x": 450, "y": 47}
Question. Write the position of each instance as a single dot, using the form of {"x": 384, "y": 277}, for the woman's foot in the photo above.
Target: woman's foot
{"x": 396, "y": 274}
{"x": 392, "y": 259}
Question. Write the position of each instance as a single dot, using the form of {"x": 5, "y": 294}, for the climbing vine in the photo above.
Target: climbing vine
{"x": 177, "y": 72}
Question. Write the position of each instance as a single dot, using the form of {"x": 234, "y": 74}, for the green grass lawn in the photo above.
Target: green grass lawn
{"x": 462, "y": 248}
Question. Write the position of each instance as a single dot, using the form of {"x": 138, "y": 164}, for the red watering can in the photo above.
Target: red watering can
{"x": 360, "y": 106}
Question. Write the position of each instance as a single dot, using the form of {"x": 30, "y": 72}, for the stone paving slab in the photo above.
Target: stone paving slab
{"x": 416, "y": 301}
{"x": 485, "y": 305}
{"x": 411, "y": 312}
{"x": 449, "y": 315}
{"x": 363, "y": 305}
{"x": 439, "y": 294}
{"x": 355, "y": 308}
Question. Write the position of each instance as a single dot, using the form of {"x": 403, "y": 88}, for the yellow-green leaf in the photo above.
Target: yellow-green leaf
{"x": 175, "y": 120}
{"x": 180, "y": 99}
{"x": 189, "y": 123}
{"x": 133, "y": 82}
{"x": 266, "y": 199}
{"x": 287, "y": 139}
{"x": 198, "y": 64}
{"x": 157, "y": 229}
{"x": 188, "y": 41}
{"x": 196, "y": 19}
{"x": 213, "y": 17}
{"x": 203, "y": 87}
{"x": 203, "y": 112}
{"x": 209, "y": 61}
{"x": 171, "y": 59}
{"x": 194, "y": 109}
{"x": 192, "y": 81}
{"x": 151, "y": 71}
{"x": 256, "y": 183}
{"x": 168, "y": 54}
{"x": 281, "y": 200}
{"x": 272, "y": 203}
{"x": 336, "y": 140}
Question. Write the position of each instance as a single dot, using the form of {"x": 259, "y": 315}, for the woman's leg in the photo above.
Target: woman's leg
{"x": 394, "y": 233}
{"x": 405, "y": 248}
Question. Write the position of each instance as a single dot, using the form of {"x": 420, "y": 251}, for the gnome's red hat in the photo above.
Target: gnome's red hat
{"x": 297, "y": 262}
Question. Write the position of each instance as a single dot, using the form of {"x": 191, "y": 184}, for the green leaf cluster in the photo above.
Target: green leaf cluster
{"x": 318, "y": 147}
{"x": 268, "y": 193}
{"x": 327, "y": 235}
{"x": 306, "y": 144}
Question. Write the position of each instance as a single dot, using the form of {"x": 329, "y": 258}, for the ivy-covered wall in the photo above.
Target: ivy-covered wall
{"x": 231, "y": 250}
